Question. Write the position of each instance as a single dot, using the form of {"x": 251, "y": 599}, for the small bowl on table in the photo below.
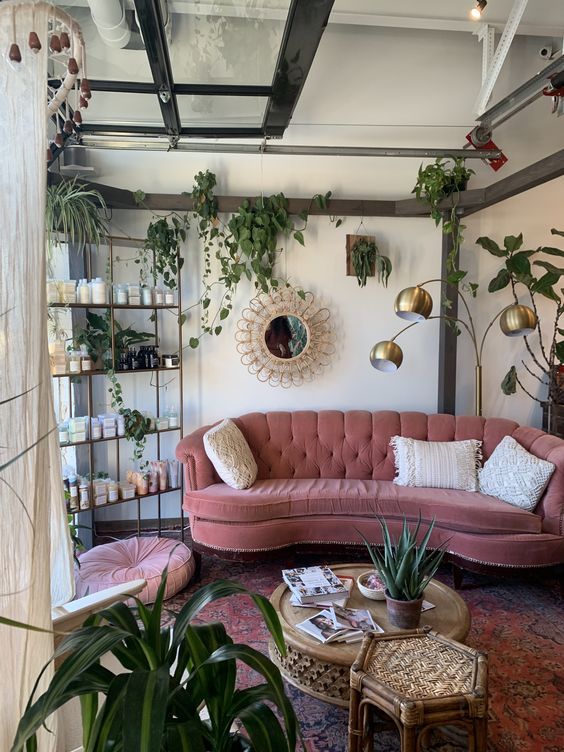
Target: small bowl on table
{"x": 371, "y": 585}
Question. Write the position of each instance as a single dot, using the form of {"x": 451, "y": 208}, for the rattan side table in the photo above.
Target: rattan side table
{"x": 417, "y": 679}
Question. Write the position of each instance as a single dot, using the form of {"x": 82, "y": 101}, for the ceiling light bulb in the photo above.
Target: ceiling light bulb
{"x": 476, "y": 13}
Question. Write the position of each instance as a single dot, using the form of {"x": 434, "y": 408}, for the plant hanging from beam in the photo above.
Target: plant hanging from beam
{"x": 437, "y": 182}
{"x": 518, "y": 270}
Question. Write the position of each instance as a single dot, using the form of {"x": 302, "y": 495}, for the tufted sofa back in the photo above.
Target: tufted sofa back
{"x": 355, "y": 444}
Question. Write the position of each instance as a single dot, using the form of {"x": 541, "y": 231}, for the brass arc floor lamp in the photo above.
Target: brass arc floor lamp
{"x": 415, "y": 304}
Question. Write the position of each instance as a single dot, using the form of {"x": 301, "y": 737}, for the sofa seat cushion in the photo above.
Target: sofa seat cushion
{"x": 287, "y": 498}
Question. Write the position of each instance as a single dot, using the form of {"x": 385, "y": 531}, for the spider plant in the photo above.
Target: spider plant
{"x": 75, "y": 212}
{"x": 406, "y": 567}
{"x": 169, "y": 674}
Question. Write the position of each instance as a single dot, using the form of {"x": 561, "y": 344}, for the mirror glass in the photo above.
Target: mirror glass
{"x": 286, "y": 337}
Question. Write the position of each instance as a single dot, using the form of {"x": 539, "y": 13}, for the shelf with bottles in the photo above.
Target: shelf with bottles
{"x": 125, "y": 306}
{"x": 92, "y": 318}
{"x": 84, "y": 429}
{"x": 85, "y": 494}
{"x": 146, "y": 358}
{"x": 97, "y": 293}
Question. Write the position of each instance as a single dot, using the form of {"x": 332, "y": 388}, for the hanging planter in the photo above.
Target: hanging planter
{"x": 365, "y": 260}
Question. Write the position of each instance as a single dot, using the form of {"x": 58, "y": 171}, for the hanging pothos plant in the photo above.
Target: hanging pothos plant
{"x": 437, "y": 182}
{"x": 246, "y": 246}
{"x": 364, "y": 255}
{"x": 161, "y": 253}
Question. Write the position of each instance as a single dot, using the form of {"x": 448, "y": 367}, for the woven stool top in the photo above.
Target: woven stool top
{"x": 421, "y": 667}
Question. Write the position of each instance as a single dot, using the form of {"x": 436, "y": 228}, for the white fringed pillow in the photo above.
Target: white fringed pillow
{"x": 437, "y": 464}
{"x": 230, "y": 454}
{"x": 514, "y": 475}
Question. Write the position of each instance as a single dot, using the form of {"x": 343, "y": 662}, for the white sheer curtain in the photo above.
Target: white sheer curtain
{"x": 34, "y": 543}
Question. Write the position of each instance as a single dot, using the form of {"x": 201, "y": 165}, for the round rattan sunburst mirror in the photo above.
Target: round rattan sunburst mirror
{"x": 283, "y": 338}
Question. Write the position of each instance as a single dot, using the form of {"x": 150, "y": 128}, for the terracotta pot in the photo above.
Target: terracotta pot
{"x": 404, "y": 614}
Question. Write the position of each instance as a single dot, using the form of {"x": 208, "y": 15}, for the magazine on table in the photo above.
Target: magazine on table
{"x": 338, "y": 624}
{"x": 426, "y": 605}
{"x": 340, "y": 600}
{"x": 312, "y": 583}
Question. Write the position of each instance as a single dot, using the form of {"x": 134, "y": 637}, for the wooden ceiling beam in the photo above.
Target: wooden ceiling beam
{"x": 540, "y": 172}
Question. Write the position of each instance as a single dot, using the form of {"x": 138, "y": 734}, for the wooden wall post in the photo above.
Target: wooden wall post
{"x": 446, "y": 395}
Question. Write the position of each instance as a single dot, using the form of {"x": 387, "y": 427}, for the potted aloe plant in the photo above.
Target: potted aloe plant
{"x": 406, "y": 568}
{"x": 169, "y": 675}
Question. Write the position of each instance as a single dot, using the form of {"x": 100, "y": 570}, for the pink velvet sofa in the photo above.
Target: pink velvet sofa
{"x": 323, "y": 475}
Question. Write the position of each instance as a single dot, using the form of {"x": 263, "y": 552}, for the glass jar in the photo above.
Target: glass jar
{"x": 146, "y": 296}
{"x": 84, "y": 495}
{"x": 169, "y": 298}
{"x": 122, "y": 294}
{"x": 63, "y": 433}
{"x": 86, "y": 363}
{"x": 74, "y": 361}
{"x": 172, "y": 415}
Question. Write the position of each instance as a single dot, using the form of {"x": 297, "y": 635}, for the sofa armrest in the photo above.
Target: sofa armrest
{"x": 198, "y": 470}
{"x": 551, "y": 448}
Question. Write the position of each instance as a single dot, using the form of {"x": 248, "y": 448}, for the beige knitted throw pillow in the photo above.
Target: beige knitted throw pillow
{"x": 437, "y": 464}
{"x": 230, "y": 454}
{"x": 514, "y": 475}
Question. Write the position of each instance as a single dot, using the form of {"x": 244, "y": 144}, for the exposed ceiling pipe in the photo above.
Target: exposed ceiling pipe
{"x": 163, "y": 144}
{"x": 111, "y": 22}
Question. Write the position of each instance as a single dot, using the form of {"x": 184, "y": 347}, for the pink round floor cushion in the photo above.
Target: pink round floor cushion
{"x": 135, "y": 558}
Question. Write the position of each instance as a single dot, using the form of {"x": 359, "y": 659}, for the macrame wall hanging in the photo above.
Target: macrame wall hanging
{"x": 68, "y": 89}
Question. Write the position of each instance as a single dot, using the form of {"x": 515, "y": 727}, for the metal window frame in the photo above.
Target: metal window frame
{"x": 305, "y": 24}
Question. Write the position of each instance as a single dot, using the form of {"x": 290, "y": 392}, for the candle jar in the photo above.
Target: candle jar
{"x": 146, "y": 297}
{"x": 74, "y": 362}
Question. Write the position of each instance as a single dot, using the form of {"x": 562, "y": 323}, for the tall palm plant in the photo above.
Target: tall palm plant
{"x": 170, "y": 674}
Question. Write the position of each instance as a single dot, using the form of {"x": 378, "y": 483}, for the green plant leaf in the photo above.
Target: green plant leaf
{"x": 194, "y": 342}
{"x": 559, "y": 350}
{"x": 501, "y": 280}
{"x": 554, "y": 231}
{"x": 552, "y": 251}
{"x": 509, "y": 382}
{"x": 512, "y": 243}
{"x": 550, "y": 267}
{"x": 299, "y": 237}
{"x": 145, "y": 709}
{"x": 139, "y": 196}
{"x": 519, "y": 263}
{"x": 264, "y": 729}
{"x": 491, "y": 246}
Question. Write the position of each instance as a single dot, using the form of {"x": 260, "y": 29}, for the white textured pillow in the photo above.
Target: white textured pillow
{"x": 437, "y": 464}
{"x": 230, "y": 454}
{"x": 514, "y": 475}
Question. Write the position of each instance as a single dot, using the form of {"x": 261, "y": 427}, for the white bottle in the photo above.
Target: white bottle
{"x": 83, "y": 292}
{"x": 98, "y": 291}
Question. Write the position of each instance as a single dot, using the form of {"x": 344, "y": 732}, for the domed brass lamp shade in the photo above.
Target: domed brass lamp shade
{"x": 386, "y": 356}
{"x": 518, "y": 321}
{"x": 413, "y": 304}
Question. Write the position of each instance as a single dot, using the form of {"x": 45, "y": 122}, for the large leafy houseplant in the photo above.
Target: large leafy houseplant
{"x": 438, "y": 181}
{"x": 531, "y": 271}
{"x": 406, "y": 567}
{"x": 170, "y": 673}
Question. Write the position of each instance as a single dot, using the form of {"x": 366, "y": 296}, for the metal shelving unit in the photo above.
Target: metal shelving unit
{"x": 81, "y": 402}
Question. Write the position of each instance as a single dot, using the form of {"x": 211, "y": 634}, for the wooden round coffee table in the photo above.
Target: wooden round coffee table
{"x": 323, "y": 670}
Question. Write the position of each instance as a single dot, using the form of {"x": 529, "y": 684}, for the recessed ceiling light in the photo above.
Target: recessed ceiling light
{"x": 476, "y": 13}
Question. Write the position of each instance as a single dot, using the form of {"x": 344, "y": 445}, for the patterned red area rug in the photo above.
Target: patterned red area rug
{"x": 519, "y": 624}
